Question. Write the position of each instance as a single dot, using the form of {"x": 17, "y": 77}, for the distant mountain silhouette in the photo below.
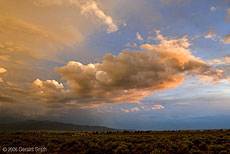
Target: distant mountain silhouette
{"x": 34, "y": 125}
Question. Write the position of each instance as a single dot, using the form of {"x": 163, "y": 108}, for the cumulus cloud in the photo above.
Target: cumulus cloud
{"x": 2, "y": 70}
{"x": 127, "y": 77}
{"x": 139, "y": 37}
{"x": 50, "y": 92}
{"x": 137, "y": 74}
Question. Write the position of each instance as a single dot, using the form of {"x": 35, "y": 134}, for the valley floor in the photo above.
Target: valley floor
{"x": 138, "y": 142}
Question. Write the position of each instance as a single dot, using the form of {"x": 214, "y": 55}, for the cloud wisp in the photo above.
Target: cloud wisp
{"x": 91, "y": 7}
{"x": 87, "y": 7}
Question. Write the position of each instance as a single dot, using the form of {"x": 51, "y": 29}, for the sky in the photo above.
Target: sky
{"x": 127, "y": 64}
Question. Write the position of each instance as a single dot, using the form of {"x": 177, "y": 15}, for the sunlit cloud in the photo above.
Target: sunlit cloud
{"x": 138, "y": 74}
{"x": 139, "y": 37}
{"x": 2, "y": 70}
{"x": 134, "y": 109}
{"x": 157, "y": 107}
{"x": 157, "y": 67}
{"x": 124, "y": 110}
{"x": 226, "y": 39}
{"x": 131, "y": 45}
{"x": 91, "y": 6}
{"x": 62, "y": 55}
{"x": 223, "y": 60}
{"x": 11, "y": 83}
{"x": 211, "y": 34}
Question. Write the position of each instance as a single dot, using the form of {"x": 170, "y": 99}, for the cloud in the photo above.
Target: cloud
{"x": 215, "y": 61}
{"x": 131, "y": 45}
{"x": 223, "y": 60}
{"x": 134, "y": 109}
{"x": 130, "y": 110}
{"x": 212, "y": 9}
{"x": 124, "y": 110}
{"x": 87, "y": 7}
{"x": 2, "y": 70}
{"x": 226, "y": 39}
{"x": 25, "y": 31}
{"x": 127, "y": 77}
{"x": 138, "y": 35}
{"x": 228, "y": 15}
{"x": 226, "y": 70}
{"x": 227, "y": 59}
{"x": 49, "y": 2}
{"x": 143, "y": 108}
{"x": 137, "y": 74}
{"x": 49, "y": 92}
{"x": 157, "y": 107}
{"x": 4, "y": 98}
{"x": 211, "y": 34}
{"x": 91, "y": 7}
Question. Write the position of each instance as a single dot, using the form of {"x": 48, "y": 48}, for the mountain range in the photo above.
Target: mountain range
{"x": 36, "y": 125}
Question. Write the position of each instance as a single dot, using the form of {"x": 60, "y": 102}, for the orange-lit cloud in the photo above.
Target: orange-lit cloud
{"x": 139, "y": 37}
{"x": 91, "y": 7}
{"x": 127, "y": 77}
{"x": 137, "y": 74}
{"x": 124, "y": 110}
{"x": 211, "y": 34}
{"x": 223, "y": 60}
{"x": 131, "y": 45}
{"x": 134, "y": 109}
{"x": 34, "y": 32}
{"x": 2, "y": 70}
{"x": 157, "y": 107}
